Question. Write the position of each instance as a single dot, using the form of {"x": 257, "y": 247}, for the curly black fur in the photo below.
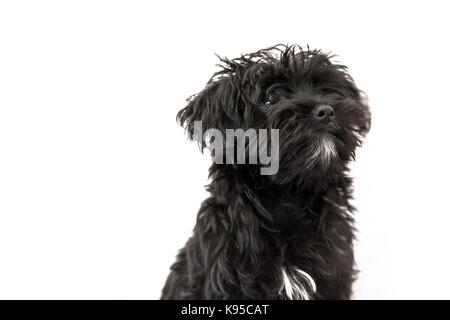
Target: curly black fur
{"x": 256, "y": 231}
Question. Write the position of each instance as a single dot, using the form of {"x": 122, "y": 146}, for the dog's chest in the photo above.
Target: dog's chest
{"x": 315, "y": 251}
{"x": 296, "y": 284}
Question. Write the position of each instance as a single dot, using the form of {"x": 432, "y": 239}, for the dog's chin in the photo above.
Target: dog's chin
{"x": 314, "y": 166}
{"x": 321, "y": 153}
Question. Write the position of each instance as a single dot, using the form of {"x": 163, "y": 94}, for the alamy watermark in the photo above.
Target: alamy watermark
{"x": 243, "y": 143}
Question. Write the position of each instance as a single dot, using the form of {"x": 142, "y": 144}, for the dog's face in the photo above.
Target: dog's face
{"x": 320, "y": 113}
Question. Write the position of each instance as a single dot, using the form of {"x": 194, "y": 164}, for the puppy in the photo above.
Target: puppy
{"x": 288, "y": 234}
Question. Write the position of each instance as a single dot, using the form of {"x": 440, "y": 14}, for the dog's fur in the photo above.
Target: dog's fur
{"x": 289, "y": 235}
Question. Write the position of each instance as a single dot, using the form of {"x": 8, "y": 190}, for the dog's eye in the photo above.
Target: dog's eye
{"x": 271, "y": 99}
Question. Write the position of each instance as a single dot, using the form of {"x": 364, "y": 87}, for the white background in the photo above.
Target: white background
{"x": 99, "y": 187}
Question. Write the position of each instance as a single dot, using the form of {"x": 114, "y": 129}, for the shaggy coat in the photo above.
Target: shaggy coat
{"x": 288, "y": 235}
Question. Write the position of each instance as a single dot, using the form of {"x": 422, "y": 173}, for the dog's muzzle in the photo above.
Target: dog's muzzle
{"x": 323, "y": 113}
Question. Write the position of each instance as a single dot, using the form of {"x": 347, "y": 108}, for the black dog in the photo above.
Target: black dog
{"x": 288, "y": 235}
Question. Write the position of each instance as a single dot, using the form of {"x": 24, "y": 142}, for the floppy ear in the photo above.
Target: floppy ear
{"x": 218, "y": 106}
{"x": 361, "y": 110}
{"x": 366, "y": 115}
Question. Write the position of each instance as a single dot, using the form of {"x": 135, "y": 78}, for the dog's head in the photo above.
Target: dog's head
{"x": 320, "y": 114}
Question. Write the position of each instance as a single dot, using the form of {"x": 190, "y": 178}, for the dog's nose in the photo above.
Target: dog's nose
{"x": 323, "y": 111}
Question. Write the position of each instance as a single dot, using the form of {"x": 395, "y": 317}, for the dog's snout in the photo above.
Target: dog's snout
{"x": 323, "y": 111}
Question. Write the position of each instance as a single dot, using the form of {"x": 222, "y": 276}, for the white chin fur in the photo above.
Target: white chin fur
{"x": 324, "y": 151}
{"x": 296, "y": 284}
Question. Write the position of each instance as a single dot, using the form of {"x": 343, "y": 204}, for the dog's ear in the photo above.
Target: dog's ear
{"x": 366, "y": 121}
{"x": 359, "y": 102}
{"x": 218, "y": 107}
{"x": 361, "y": 110}
{"x": 359, "y": 107}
